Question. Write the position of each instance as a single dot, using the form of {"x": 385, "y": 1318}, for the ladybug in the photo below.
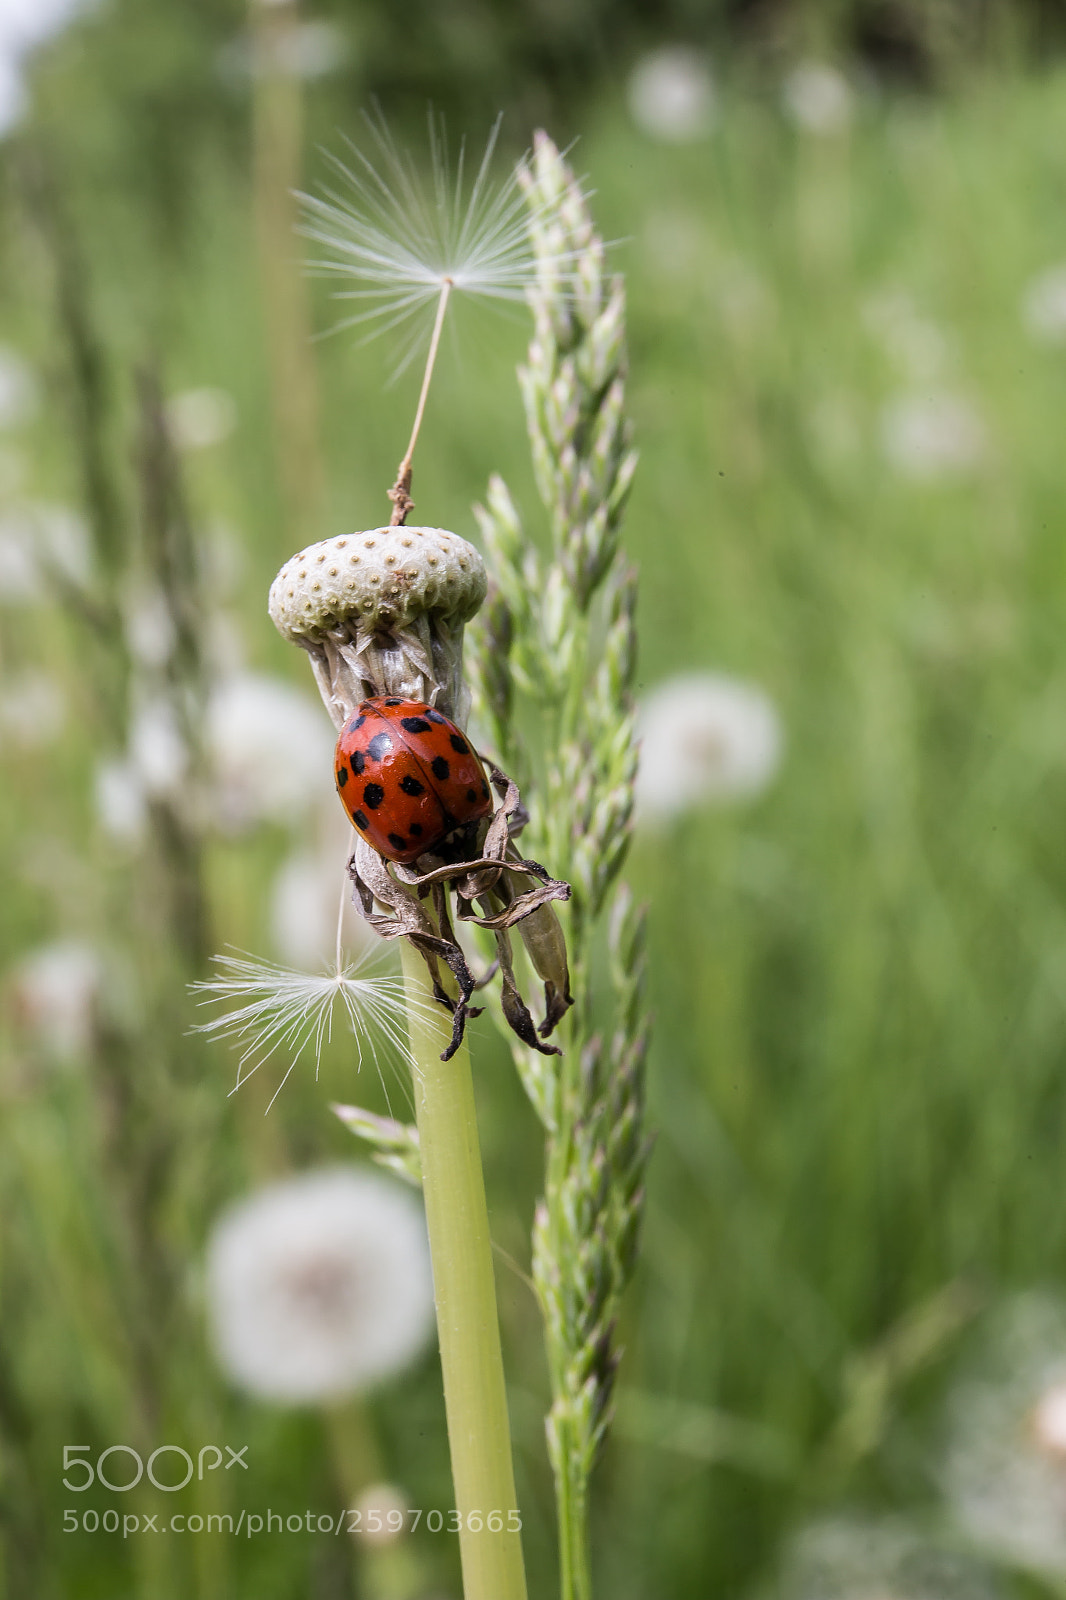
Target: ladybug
{"x": 407, "y": 776}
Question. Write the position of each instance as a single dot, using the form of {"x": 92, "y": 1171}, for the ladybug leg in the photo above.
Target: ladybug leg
{"x": 410, "y": 920}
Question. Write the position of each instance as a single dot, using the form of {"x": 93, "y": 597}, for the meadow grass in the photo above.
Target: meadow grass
{"x": 858, "y": 1065}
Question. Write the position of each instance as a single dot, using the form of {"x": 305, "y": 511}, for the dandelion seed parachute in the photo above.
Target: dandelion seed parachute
{"x": 400, "y": 240}
{"x": 273, "y": 1007}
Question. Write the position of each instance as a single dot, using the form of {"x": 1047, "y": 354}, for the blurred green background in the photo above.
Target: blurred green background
{"x": 843, "y": 228}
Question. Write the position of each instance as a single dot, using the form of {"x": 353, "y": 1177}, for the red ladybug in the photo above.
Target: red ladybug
{"x": 407, "y": 776}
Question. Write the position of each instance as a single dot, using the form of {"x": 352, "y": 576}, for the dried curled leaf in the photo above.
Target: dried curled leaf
{"x": 492, "y": 882}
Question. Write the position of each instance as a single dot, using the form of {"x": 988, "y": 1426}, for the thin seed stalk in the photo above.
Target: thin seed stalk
{"x": 475, "y": 1399}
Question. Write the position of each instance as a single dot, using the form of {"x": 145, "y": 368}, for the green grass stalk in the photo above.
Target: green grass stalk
{"x": 475, "y": 1399}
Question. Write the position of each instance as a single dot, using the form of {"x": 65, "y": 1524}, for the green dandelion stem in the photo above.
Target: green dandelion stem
{"x": 475, "y": 1399}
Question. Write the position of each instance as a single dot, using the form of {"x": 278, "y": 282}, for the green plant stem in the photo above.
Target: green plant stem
{"x": 571, "y": 1506}
{"x": 475, "y": 1399}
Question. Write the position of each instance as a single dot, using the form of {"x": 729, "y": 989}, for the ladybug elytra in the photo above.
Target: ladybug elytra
{"x": 407, "y": 776}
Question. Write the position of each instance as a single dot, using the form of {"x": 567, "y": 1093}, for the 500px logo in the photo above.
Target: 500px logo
{"x": 75, "y": 1458}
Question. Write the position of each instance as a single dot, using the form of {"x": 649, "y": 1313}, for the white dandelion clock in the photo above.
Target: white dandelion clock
{"x": 38, "y": 541}
{"x": 1044, "y": 306}
{"x": 927, "y": 437}
{"x": 862, "y": 1558}
{"x": 200, "y": 418}
{"x": 32, "y": 710}
{"x": 916, "y": 346}
{"x": 817, "y": 97}
{"x": 18, "y": 388}
{"x": 56, "y": 992}
{"x": 157, "y": 749}
{"x": 704, "y": 737}
{"x": 121, "y": 802}
{"x": 270, "y": 751}
{"x": 320, "y": 1286}
{"x": 1005, "y": 1465}
{"x": 12, "y": 94}
{"x": 671, "y": 95}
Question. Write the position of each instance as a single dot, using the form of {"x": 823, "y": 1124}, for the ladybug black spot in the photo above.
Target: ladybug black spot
{"x": 471, "y": 795}
{"x": 342, "y": 777}
{"x": 459, "y": 744}
{"x": 435, "y": 716}
{"x": 361, "y": 819}
{"x": 441, "y": 768}
{"x": 411, "y": 785}
{"x": 414, "y": 724}
{"x": 379, "y": 747}
{"x": 358, "y": 762}
{"x": 397, "y": 841}
{"x": 373, "y": 795}
{"x": 356, "y": 722}
{"x": 394, "y": 702}
{"x": 416, "y": 829}
{"x": 484, "y": 790}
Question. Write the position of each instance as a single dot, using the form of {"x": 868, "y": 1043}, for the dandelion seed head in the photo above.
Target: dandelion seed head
{"x": 1044, "y": 306}
{"x": 865, "y": 1558}
{"x": 319, "y": 1286}
{"x": 389, "y": 1504}
{"x": 270, "y": 750}
{"x": 37, "y": 540}
{"x": 56, "y": 991}
{"x": 928, "y": 437}
{"x": 671, "y": 95}
{"x": 200, "y": 418}
{"x": 32, "y": 710}
{"x": 120, "y": 800}
{"x": 18, "y": 389}
{"x": 1005, "y": 1463}
{"x": 704, "y": 737}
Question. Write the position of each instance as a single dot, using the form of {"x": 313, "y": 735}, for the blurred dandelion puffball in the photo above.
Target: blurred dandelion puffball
{"x": 817, "y": 97}
{"x": 1044, "y": 306}
{"x": 18, "y": 387}
{"x": 270, "y": 750}
{"x": 704, "y": 736}
{"x": 24, "y": 24}
{"x": 319, "y": 1286}
{"x": 671, "y": 95}
{"x": 1005, "y": 1467}
{"x": 56, "y": 992}
{"x": 200, "y": 418}
{"x": 926, "y": 437}
{"x": 863, "y": 1558}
